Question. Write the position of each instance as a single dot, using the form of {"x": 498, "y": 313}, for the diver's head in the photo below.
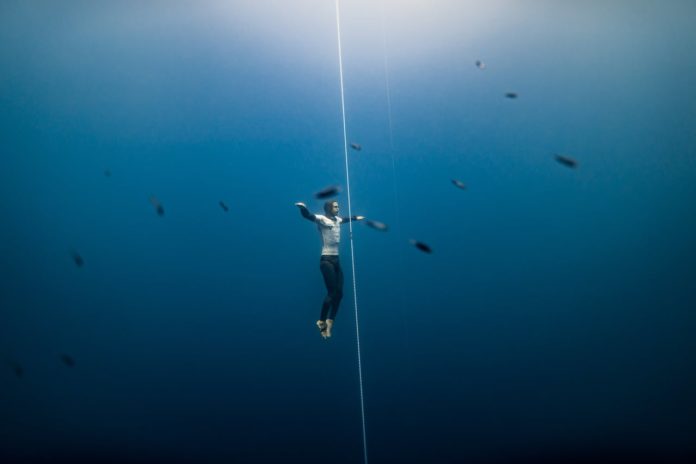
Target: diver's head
{"x": 331, "y": 208}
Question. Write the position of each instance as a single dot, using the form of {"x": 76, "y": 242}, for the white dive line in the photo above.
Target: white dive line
{"x": 350, "y": 225}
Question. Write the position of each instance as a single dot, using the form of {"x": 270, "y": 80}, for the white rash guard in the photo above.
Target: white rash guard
{"x": 330, "y": 234}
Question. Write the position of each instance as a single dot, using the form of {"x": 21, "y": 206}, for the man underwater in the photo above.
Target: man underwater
{"x": 329, "y": 226}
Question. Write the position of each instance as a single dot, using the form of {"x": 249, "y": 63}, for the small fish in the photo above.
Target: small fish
{"x": 376, "y": 225}
{"x": 17, "y": 368}
{"x": 566, "y": 161}
{"x": 421, "y": 246}
{"x": 480, "y": 64}
{"x": 328, "y": 192}
{"x": 459, "y": 184}
{"x": 224, "y": 206}
{"x": 158, "y": 206}
{"x": 356, "y": 146}
{"x": 107, "y": 172}
{"x": 512, "y": 95}
{"x": 79, "y": 262}
{"x": 67, "y": 360}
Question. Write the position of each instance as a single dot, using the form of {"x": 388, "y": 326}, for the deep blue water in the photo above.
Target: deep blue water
{"x": 553, "y": 322}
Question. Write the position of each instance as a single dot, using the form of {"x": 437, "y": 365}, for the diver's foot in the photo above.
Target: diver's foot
{"x": 329, "y": 326}
{"x": 322, "y": 328}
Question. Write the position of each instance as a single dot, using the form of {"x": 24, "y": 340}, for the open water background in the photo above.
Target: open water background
{"x": 553, "y": 322}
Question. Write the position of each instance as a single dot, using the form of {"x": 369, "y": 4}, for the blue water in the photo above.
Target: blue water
{"x": 553, "y": 322}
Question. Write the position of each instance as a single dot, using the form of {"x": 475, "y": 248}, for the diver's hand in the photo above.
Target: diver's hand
{"x": 299, "y": 204}
{"x": 359, "y": 218}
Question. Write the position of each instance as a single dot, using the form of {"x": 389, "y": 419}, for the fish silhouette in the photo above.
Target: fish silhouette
{"x": 158, "y": 206}
{"x": 421, "y": 246}
{"x": 566, "y": 161}
{"x": 328, "y": 192}
{"x": 376, "y": 225}
{"x": 79, "y": 261}
{"x": 459, "y": 184}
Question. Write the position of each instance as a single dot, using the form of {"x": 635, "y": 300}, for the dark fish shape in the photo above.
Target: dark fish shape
{"x": 480, "y": 64}
{"x": 79, "y": 262}
{"x": 67, "y": 360}
{"x": 224, "y": 206}
{"x": 17, "y": 368}
{"x": 421, "y": 246}
{"x": 356, "y": 146}
{"x": 566, "y": 161}
{"x": 376, "y": 225}
{"x": 158, "y": 206}
{"x": 512, "y": 95}
{"x": 328, "y": 192}
{"x": 459, "y": 184}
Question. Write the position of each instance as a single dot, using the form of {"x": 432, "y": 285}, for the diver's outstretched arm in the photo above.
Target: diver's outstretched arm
{"x": 305, "y": 212}
{"x": 352, "y": 218}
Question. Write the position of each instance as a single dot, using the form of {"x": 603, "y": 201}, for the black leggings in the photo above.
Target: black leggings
{"x": 333, "y": 278}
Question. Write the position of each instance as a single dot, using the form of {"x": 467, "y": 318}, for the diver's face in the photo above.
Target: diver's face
{"x": 334, "y": 209}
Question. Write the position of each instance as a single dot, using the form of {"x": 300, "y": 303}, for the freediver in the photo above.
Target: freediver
{"x": 329, "y": 225}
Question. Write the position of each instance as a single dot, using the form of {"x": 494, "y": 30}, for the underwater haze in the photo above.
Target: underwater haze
{"x": 160, "y": 289}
